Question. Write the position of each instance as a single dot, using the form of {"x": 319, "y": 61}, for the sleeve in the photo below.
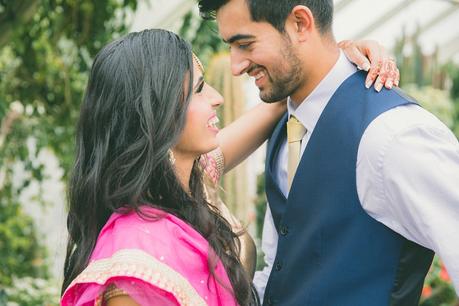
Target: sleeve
{"x": 213, "y": 164}
{"x": 146, "y": 279}
{"x": 140, "y": 292}
{"x": 269, "y": 248}
{"x": 149, "y": 266}
{"x": 409, "y": 182}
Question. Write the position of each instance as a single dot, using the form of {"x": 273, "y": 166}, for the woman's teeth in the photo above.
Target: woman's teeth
{"x": 213, "y": 122}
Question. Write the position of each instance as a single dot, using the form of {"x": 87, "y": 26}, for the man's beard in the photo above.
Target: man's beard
{"x": 283, "y": 82}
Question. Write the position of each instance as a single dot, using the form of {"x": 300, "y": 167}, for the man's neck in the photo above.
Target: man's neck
{"x": 317, "y": 68}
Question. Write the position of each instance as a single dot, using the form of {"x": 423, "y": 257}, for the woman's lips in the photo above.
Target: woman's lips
{"x": 212, "y": 123}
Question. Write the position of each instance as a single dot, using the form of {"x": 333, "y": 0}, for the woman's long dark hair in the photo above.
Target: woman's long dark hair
{"x": 134, "y": 111}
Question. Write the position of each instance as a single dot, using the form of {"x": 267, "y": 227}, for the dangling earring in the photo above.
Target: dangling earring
{"x": 171, "y": 156}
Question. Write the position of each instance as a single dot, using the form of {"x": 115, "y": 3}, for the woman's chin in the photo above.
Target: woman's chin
{"x": 210, "y": 147}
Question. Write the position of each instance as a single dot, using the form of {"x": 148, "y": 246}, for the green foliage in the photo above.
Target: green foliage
{"x": 46, "y": 63}
{"x": 423, "y": 76}
{"x": 30, "y": 291}
{"x": 20, "y": 250}
{"x": 438, "y": 290}
{"x": 260, "y": 208}
{"x": 435, "y": 101}
{"x": 453, "y": 71}
{"x": 203, "y": 36}
{"x": 46, "y": 49}
{"x": 415, "y": 68}
{"x": 260, "y": 203}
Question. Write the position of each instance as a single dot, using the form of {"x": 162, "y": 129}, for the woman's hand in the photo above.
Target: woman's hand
{"x": 370, "y": 56}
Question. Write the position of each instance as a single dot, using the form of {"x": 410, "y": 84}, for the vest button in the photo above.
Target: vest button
{"x": 278, "y": 266}
{"x": 284, "y": 230}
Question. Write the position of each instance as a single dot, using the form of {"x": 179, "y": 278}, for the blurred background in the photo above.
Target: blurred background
{"x": 46, "y": 50}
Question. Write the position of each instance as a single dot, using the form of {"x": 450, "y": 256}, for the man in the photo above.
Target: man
{"x": 362, "y": 187}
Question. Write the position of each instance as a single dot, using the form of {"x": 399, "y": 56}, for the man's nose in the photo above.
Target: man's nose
{"x": 239, "y": 64}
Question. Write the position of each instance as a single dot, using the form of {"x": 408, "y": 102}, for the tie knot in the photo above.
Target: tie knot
{"x": 295, "y": 130}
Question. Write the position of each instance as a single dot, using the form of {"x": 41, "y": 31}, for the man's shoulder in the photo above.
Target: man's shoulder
{"x": 403, "y": 125}
{"x": 405, "y": 117}
{"x": 402, "y": 94}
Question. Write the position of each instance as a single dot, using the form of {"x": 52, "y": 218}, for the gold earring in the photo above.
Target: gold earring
{"x": 171, "y": 156}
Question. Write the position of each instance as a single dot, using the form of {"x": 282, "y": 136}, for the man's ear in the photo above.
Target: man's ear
{"x": 300, "y": 23}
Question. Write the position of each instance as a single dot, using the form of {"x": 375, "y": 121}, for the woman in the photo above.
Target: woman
{"x": 141, "y": 228}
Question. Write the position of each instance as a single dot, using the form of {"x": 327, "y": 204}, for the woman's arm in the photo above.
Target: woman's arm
{"x": 114, "y": 296}
{"x": 124, "y": 300}
{"x": 244, "y": 135}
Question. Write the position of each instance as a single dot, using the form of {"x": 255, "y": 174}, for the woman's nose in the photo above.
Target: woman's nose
{"x": 216, "y": 98}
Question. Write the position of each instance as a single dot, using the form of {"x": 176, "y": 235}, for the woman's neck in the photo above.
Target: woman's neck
{"x": 183, "y": 167}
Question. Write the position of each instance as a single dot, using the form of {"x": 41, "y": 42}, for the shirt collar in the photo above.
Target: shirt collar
{"x": 309, "y": 111}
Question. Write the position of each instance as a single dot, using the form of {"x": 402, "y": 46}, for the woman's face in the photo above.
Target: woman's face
{"x": 200, "y": 133}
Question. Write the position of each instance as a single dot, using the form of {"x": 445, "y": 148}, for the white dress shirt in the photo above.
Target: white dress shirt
{"x": 407, "y": 174}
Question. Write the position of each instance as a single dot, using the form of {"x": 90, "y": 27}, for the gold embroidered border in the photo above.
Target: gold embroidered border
{"x": 217, "y": 154}
{"x": 138, "y": 264}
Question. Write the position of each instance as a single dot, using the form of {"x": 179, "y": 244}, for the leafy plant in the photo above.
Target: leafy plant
{"x": 46, "y": 49}
{"x": 20, "y": 251}
{"x": 438, "y": 290}
{"x": 30, "y": 291}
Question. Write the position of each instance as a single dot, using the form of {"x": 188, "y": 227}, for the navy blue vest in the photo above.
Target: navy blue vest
{"x": 330, "y": 251}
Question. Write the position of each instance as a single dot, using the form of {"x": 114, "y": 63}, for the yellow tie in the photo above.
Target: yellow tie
{"x": 295, "y": 133}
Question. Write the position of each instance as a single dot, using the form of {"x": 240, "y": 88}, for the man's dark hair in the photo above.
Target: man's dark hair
{"x": 276, "y": 12}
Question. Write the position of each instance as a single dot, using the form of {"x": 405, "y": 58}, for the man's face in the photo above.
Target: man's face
{"x": 261, "y": 51}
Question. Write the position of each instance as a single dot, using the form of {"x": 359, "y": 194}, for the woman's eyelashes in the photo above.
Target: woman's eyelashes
{"x": 199, "y": 87}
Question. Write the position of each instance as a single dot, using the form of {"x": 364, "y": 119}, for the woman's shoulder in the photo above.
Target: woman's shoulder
{"x": 150, "y": 248}
{"x": 150, "y": 229}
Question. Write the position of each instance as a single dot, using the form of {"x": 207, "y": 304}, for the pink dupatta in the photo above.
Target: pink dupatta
{"x": 161, "y": 262}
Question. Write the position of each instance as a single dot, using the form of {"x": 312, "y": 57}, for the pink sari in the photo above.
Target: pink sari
{"x": 161, "y": 262}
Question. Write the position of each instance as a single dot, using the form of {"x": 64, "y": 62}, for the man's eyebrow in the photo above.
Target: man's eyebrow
{"x": 237, "y": 37}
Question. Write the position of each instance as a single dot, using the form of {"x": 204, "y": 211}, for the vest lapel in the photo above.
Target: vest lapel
{"x": 280, "y": 133}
